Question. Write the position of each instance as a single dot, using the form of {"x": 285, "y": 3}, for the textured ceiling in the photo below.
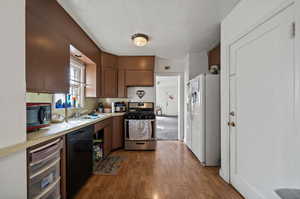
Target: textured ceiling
{"x": 175, "y": 27}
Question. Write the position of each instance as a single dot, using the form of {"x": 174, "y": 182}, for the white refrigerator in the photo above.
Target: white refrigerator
{"x": 203, "y": 119}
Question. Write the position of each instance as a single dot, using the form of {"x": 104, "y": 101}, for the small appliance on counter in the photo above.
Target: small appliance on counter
{"x": 38, "y": 115}
{"x": 119, "y": 107}
{"x": 100, "y": 107}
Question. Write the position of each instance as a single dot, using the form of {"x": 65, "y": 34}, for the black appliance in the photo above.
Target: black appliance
{"x": 140, "y": 111}
{"x": 79, "y": 159}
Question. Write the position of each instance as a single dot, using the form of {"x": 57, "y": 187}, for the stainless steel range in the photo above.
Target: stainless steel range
{"x": 140, "y": 126}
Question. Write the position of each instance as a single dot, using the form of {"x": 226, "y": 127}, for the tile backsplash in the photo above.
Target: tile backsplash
{"x": 92, "y": 103}
{"x": 107, "y": 101}
{"x": 89, "y": 103}
{"x": 149, "y": 94}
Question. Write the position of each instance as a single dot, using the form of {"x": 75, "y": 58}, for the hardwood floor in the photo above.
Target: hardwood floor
{"x": 171, "y": 172}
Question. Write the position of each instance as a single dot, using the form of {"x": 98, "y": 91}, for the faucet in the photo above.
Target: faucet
{"x": 77, "y": 112}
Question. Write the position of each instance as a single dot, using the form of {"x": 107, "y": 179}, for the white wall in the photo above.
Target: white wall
{"x": 226, "y": 6}
{"x": 198, "y": 63}
{"x": 12, "y": 99}
{"x": 245, "y": 16}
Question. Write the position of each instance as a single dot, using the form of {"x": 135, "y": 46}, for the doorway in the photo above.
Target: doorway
{"x": 167, "y": 107}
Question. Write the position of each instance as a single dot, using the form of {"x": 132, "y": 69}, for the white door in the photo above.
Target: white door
{"x": 261, "y": 106}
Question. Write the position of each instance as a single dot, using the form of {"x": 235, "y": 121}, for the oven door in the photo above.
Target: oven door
{"x": 153, "y": 126}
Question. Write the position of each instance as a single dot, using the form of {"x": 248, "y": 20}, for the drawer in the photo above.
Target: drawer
{"x": 39, "y": 165}
{"x": 52, "y": 193}
{"x": 40, "y": 181}
{"x": 41, "y": 153}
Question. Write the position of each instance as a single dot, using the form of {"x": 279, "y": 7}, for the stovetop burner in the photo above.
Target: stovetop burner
{"x": 140, "y": 110}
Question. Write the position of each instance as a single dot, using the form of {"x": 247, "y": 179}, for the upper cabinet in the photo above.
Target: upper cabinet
{"x": 136, "y": 62}
{"x": 108, "y": 60}
{"x": 49, "y": 33}
{"x": 122, "y": 88}
{"x": 109, "y": 75}
{"x": 214, "y": 56}
{"x": 47, "y": 58}
{"x": 139, "y": 78}
{"x": 138, "y": 71}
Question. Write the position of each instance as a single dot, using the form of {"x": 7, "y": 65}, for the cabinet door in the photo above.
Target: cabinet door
{"x": 214, "y": 56}
{"x": 47, "y": 58}
{"x": 139, "y": 78}
{"x": 136, "y": 62}
{"x": 109, "y": 83}
{"x": 117, "y": 136}
{"x": 108, "y": 60}
{"x": 122, "y": 88}
{"x": 107, "y": 139}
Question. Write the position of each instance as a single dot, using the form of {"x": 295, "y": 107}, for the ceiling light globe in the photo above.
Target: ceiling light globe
{"x": 140, "y": 40}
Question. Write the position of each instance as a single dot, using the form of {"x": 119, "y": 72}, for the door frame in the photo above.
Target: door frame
{"x": 180, "y": 99}
{"x": 225, "y": 81}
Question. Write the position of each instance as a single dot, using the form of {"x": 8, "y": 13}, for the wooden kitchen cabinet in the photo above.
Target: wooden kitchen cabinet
{"x": 118, "y": 132}
{"x": 47, "y": 58}
{"x": 109, "y": 82}
{"x": 49, "y": 33}
{"x": 107, "y": 147}
{"x": 139, "y": 78}
{"x": 138, "y": 71}
{"x": 108, "y": 60}
{"x": 107, "y": 127}
{"x": 122, "y": 88}
{"x": 214, "y": 56}
{"x": 136, "y": 62}
{"x": 109, "y": 75}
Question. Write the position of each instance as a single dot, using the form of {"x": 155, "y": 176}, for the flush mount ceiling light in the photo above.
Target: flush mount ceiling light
{"x": 140, "y": 39}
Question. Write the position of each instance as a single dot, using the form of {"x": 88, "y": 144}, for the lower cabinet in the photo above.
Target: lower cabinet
{"x": 107, "y": 140}
{"x": 110, "y": 133}
{"x": 118, "y": 132}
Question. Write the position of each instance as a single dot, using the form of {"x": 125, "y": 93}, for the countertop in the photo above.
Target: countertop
{"x": 54, "y": 131}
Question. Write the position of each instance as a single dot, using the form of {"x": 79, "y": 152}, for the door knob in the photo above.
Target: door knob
{"x": 232, "y": 124}
{"x": 232, "y": 113}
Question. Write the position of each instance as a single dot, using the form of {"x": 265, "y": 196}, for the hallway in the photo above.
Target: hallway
{"x": 171, "y": 172}
{"x": 167, "y": 127}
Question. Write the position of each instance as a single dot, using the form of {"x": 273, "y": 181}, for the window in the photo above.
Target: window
{"x": 77, "y": 83}
{"x": 75, "y": 97}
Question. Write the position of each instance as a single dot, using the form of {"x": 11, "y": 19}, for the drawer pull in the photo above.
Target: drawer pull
{"x": 45, "y": 169}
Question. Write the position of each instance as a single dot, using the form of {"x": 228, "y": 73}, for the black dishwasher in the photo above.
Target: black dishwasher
{"x": 79, "y": 159}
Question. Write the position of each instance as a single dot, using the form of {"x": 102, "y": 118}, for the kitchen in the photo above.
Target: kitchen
{"x": 78, "y": 84}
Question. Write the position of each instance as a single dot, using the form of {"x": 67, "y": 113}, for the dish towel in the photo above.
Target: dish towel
{"x": 140, "y": 129}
